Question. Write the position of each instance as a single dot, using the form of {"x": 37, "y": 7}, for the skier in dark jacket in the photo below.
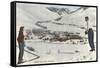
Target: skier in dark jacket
{"x": 90, "y": 35}
{"x": 21, "y": 43}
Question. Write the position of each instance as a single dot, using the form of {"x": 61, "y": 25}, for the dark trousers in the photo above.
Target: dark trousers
{"x": 91, "y": 38}
{"x": 21, "y": 51}
{"x": 91, "y": 44}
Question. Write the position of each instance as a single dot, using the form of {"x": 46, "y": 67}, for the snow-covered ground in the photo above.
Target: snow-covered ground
{"x": 55, "y": 52}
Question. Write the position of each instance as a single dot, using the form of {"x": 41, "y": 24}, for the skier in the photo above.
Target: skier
{"x": 90, "y": 35}
{"x": 21, "y": 43}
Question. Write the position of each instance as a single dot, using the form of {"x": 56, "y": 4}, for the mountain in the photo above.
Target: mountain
{"x": 60, "y": 11}
{"x": 74, "y": 22}
{"x": 37, "y": 16}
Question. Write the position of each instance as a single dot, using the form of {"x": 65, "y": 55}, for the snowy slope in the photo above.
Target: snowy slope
{"x": 25, "y": 19}
{"x": 73, "y": 22}
{"x": 29, "y": 14}
{"x": 78, "y": 17}
{"x": 37, "y": 16}
{"x": 38, "y": 11}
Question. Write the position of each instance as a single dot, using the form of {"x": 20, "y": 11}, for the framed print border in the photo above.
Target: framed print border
{"x": 13, "y": 33}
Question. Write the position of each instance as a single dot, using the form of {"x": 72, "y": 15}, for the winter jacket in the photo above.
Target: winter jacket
{"x": 20, "y": 37}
